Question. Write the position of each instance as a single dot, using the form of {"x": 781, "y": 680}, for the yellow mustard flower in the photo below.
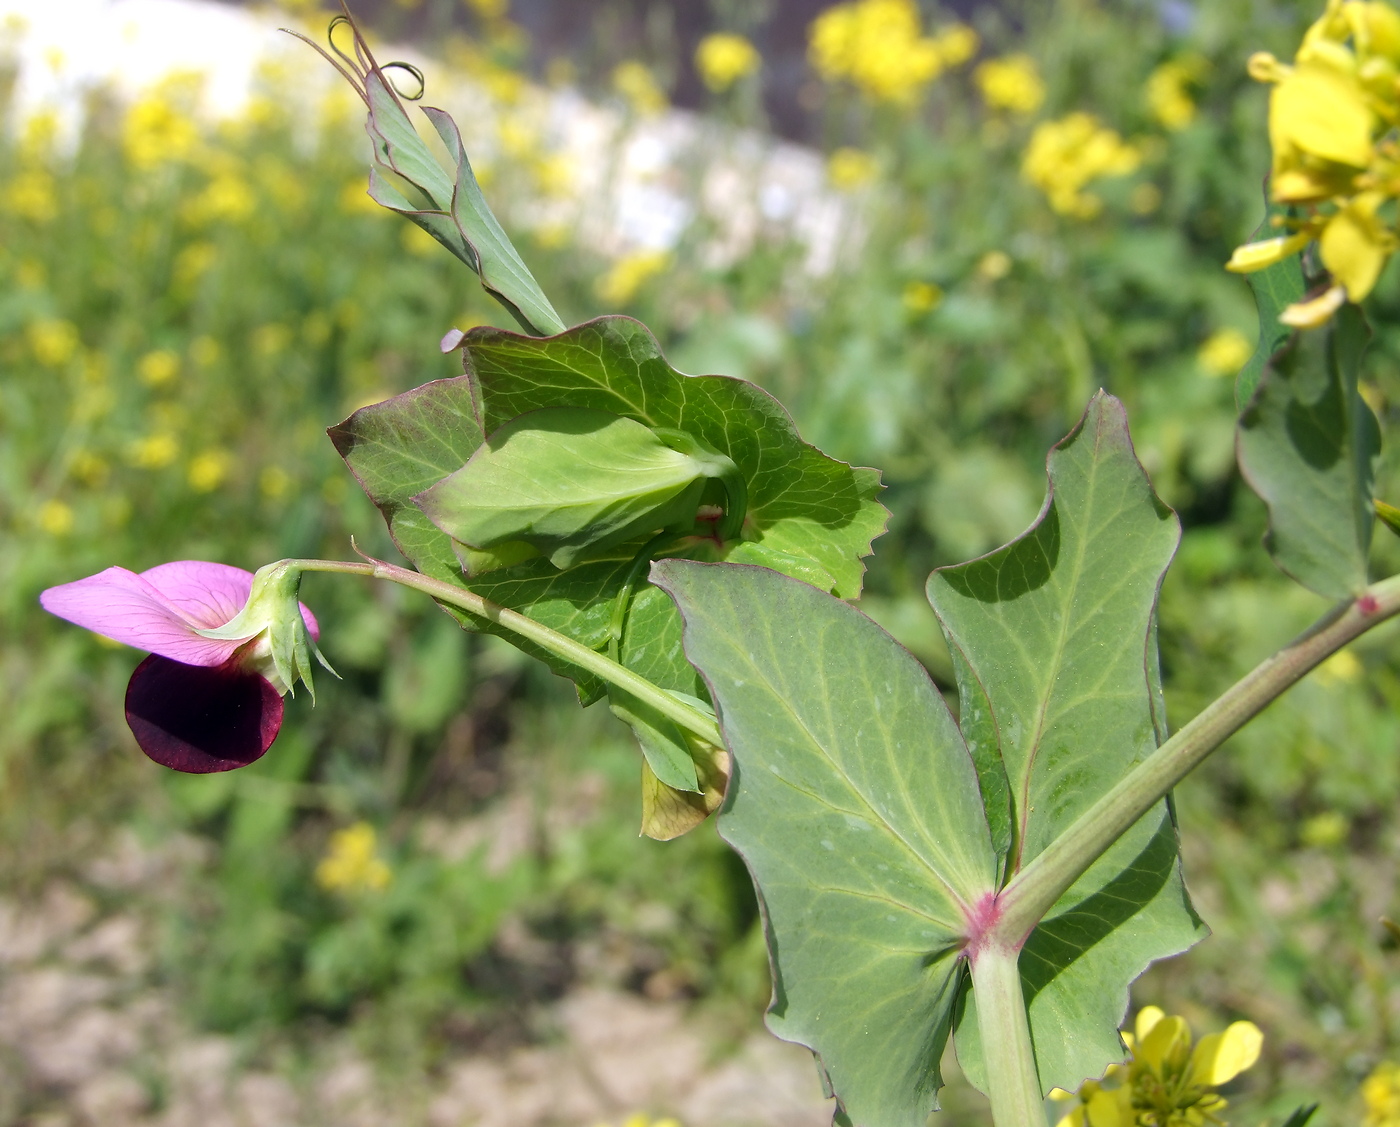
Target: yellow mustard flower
{"x": 1168, "y": 91}
{"x": 922, "y": 297}
{"x": 89, "y": 468}
{"x": 351, "y": 863}
{"x": 1330, "y": 113}
{"x": 994, "y": 265}
{"x": 1165, "y": 1083}
{"x": 209, "y": 470}
{"x": 628, "y": 274}
{"x": 55, "y": 518}
{"x": 274, "y": 482}
{"x": 153, "y": 452}
{"x": 53, "y": 341}
{"x": 1224, "y": 352}
{"x": 193, "y": 262}
{"x": 849, "y": 169}
{"x": 879, "y": 47}
{"x": 158, "y": 130}
{"x": 724, "y": 58}
{"x": 228, "y": 198}
{"x": 635, "y": 82}
{"x": 32, "y": 195}
{"x": 1065, "y": 155}
{"x": 1011, "y": 83}
{"x": 1380, "y": 1092}
{"x": 158, "y": 368}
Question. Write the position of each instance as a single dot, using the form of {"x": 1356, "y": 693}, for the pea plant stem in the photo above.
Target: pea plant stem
{"x": 1032, "y": 892}
{"x": 689, "y": 718}
{"x": 1013, "y": 1083}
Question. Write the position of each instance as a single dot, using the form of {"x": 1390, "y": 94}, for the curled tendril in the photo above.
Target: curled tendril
{"x": 357, "y": 69}
{"x": 413, "y": 70}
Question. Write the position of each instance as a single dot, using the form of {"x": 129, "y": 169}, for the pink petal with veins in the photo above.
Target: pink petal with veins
{"x": 209, "y": 594}
{"x": 127, "y": 607}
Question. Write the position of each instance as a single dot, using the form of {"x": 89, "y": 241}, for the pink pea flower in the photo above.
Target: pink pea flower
{"x": 225, "y": 645}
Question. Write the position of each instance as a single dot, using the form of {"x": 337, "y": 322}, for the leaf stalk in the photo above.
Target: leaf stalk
{"x": 1032, "y": 892}
{"x": 1013, "y": 1082}
{"x": 689, "y": 718}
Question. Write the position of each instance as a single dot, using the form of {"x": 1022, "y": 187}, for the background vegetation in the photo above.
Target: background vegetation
{"x": 185, "y": 306}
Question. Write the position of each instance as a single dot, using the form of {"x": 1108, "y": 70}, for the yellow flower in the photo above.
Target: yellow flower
{"x": 1328, "y": 114}
{"x": 208, "y": 470}
{"x": 1168, "y": 91}
{"x": 956, "y": 44}
{"x": 89, "y": 468}
{"x": 153, "y": 452}
{"x": 1322, "y": 831}
{"x": 878, "y": 46}
{"x": 1065, "y": 155}
{"x": 722, "y": 59}
{"x": 1165, "y": 1083}
{"x": 849, "y": 169}
{"x": 1011, "y": 82}
{"x": 350, "y": 863}
{"x": 228, "y": 198}
{"x": 994, "y": 265}
{"x": 53, "y": 341}
{"x": 1380, "y": 1092}
{"x": 620, "y": 284}
{"x": 274, "y": 482}
{"x": 157, "y": 131}
{"x": 1224, "y": 352}
{"x": 205, "y": 351}
{"x": 55, "y": 518}
{"x": 31, "y": 195}
{"x": 158, "y": 368}
{"x": 635, "y": 82}
{"x": 922, "y": 297}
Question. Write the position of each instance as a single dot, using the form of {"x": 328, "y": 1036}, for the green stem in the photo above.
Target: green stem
{"x": 1013, "y": 1083}
{"x": 689, "y": 718}
{"x": 1034, "y": 890}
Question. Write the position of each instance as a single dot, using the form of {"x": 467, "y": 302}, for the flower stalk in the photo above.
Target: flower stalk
{"x": 689, "y": 718}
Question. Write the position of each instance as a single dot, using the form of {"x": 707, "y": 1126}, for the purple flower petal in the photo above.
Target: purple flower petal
{"x": 160, "y": 610}
{"x": 207, "y": 594}
{"x": 199, "y": 720}
{"x": 127, "y": 607}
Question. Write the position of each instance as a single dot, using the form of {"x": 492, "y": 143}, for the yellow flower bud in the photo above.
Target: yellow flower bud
{"x": 1314, "y": 313}
{"x": 1258, "y": 256}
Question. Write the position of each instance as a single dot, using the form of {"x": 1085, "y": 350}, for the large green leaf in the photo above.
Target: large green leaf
{"x": 807, "y": 514}
{"x": 1275, "y": 288}
{"x": 1308, "y": 445}
{"x": 854, "y": 803}
{"x": 1056, "y": 652}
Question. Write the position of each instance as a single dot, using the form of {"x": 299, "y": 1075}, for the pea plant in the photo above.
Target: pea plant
{"x": 668, "y": 542}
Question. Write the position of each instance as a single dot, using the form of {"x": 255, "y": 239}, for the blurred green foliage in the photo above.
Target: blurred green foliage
{"x": 184, "y": 309}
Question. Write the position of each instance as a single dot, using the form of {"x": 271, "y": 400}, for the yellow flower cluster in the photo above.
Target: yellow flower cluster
{"x": 1166, "y": 1083}
{"x": 1168, "y": 91}
{"x": 1065, "y": 155}
{"x": 1012, "y": 83}
{"x": 879, "y": 47}
{"x": 723, "y": 59}
{"x": 351, "y": 863}
{"x": 1380, "y": 1092}
{"x": 629, "y": 273}
{"x": 1330, "y": 119}
{"x": 158, "y": 128}
{"x": 635, "y": 82}
{"x": 1224, "y": 352}
{"x": 849, "y": 169}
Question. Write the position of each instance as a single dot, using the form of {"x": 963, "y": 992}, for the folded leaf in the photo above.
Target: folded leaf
{"x": 1275, "y": 288}
{"x": 567, "y": 480}
{"x": 854, "y": 803}
{"x": 1308, "y": 445}
{"x": 1055, "y": 646}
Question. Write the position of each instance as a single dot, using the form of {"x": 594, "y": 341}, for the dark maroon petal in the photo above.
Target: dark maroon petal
{"x": 196, "y": 719}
